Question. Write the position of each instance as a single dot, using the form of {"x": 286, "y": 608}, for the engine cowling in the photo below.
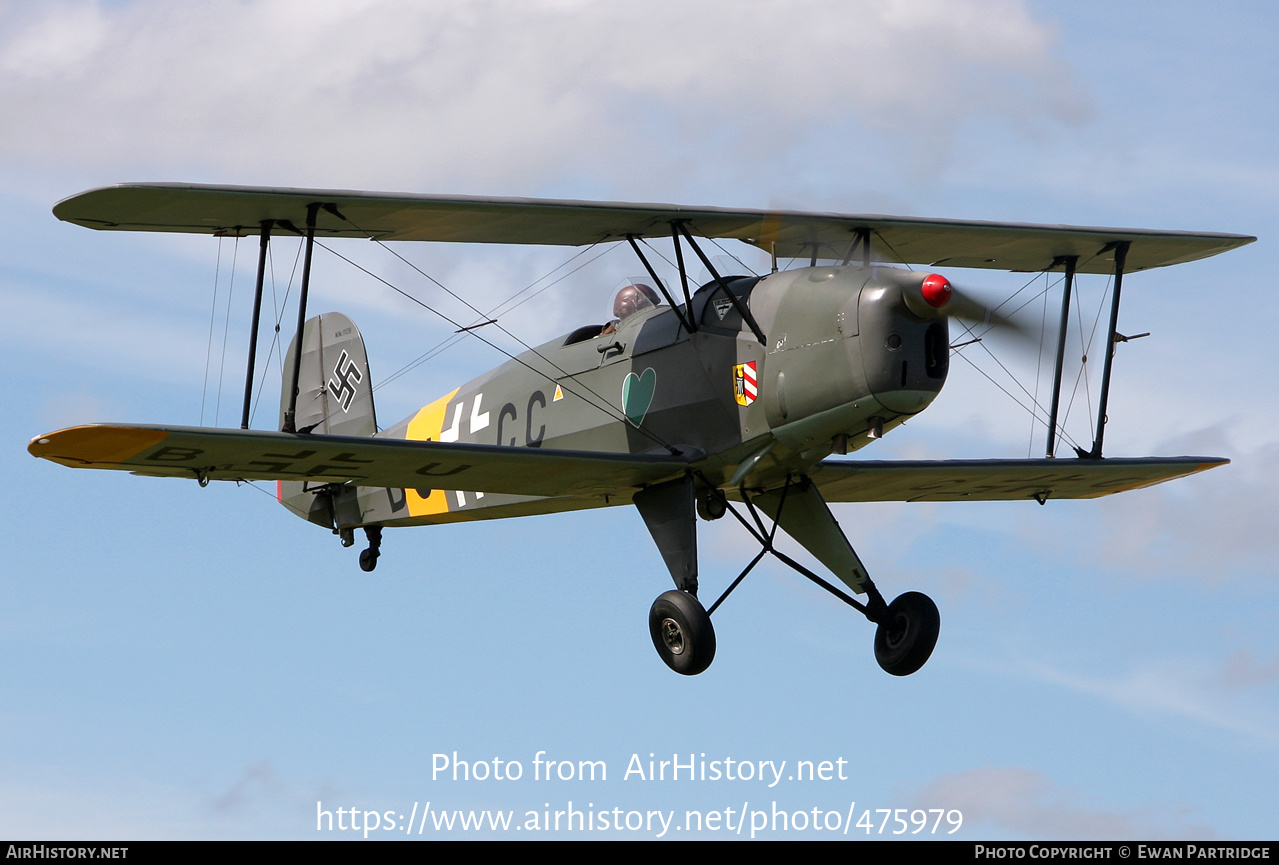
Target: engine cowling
{"x": 848, "y": 352}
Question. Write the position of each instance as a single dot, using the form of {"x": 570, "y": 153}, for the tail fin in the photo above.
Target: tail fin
{"x": 335, "y": 397}
{"x": 335, "y": 394}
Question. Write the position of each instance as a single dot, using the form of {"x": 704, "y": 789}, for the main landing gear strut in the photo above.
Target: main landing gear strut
{"x": 906, "y": 630}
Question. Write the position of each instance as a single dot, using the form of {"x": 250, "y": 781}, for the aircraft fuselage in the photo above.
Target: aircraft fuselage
{"x": 846, "y": 360}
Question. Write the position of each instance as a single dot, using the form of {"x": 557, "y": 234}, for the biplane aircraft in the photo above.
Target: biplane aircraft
{"x": 728, "y": 398}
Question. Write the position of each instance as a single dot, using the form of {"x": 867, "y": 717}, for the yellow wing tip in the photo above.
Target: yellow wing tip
{"x": 94, "y": 445}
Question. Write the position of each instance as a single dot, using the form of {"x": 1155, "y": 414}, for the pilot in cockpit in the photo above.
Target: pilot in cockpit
{"x": 629, "y": 300}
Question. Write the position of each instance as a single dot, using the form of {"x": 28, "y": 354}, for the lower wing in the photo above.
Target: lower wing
{"x": 225, "y": 454}
{"x": 997, "y": 480}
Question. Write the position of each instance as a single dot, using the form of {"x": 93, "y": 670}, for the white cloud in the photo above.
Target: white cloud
{"x": 1243, "y": 670}
{"x": 1214, "y": 526}
{"x": 105, "y": 334}
{"x": 503, "y": 94}
{"x": 1184, "y": 689}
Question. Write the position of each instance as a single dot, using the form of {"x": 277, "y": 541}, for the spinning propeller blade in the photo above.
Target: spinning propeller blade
{"x": 932, "y": 296}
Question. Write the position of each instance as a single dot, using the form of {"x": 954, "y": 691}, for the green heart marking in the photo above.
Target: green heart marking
{"x": 637, "y": 395}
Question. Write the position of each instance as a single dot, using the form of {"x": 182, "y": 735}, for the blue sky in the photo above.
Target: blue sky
{"x": 197, "y": 663}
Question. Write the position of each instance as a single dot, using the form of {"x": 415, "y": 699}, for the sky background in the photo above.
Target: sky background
{"x": 197, "y": 663}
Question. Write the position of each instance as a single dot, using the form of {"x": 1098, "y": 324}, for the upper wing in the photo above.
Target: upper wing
{"x": 956, "y": 243}
{"x": 997, "y": 480}
{"x": 222, "y": 454}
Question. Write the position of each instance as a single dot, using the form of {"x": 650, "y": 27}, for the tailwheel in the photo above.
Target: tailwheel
{"x": 682, "y": 632}
{"x": 907, "y": 633}
{"x": 368, "y": 558}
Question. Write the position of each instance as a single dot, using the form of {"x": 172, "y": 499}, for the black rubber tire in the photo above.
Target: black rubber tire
{"x": 368, "y": 560}
{"x": 906, "y": 637}
{"x": 682, "y": 632}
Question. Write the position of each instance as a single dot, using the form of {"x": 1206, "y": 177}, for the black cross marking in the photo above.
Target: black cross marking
{"x": 346, "y": 376}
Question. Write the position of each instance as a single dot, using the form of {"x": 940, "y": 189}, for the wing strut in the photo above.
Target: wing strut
{"x": 1120, "y": 249}
{"x": 861, "y": 237}
{"x": 1121, "y": 256}
{"x": 737, "y": 304}
{"x": 312, "y": 210}
{"x": 683, "y": 272}
{"x": 263, "y": 244}
{"x": 1070, "y": 261}
{"x": 686, "y": 317}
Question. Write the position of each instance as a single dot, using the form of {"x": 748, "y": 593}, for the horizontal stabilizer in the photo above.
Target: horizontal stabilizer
{"x": 229, "y": 454}
{"x": 997, "y": 480}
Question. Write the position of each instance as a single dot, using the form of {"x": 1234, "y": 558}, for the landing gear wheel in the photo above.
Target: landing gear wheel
{"x": 368, "y": 558}
{"x": 907, "y": 634}
{"x": 682, "y": 632}
{"x": 711, "y": 505}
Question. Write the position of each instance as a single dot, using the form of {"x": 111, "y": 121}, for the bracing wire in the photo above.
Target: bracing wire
{"x": 213, "y": 312}
{"x": 278, "y": 312}
{"x": 501, "y": 309}
{"x": 1085, "y": 348}
{"x": 603, "y": 404}
{"x": 600, "y": 403}
{"x": 226, "y": 327}
{"x": 1087, "y": 339}
{"x": 1039, "y": 363}
{"x": 894, "y": 251}
{"x": 734, "y": 257}
{"x": 1035, "y": 409}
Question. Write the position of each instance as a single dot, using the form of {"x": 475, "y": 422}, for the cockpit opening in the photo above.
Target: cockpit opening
{"x": 631, "y": 298}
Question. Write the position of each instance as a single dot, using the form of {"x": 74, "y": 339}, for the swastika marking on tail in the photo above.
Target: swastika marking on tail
{"x": 346, "y": 375}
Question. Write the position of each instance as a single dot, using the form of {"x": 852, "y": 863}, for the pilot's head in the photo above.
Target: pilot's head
{"x": 632, "y": 298}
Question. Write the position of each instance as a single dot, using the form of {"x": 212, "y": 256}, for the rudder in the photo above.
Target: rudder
{"x": 335, "y": 397}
